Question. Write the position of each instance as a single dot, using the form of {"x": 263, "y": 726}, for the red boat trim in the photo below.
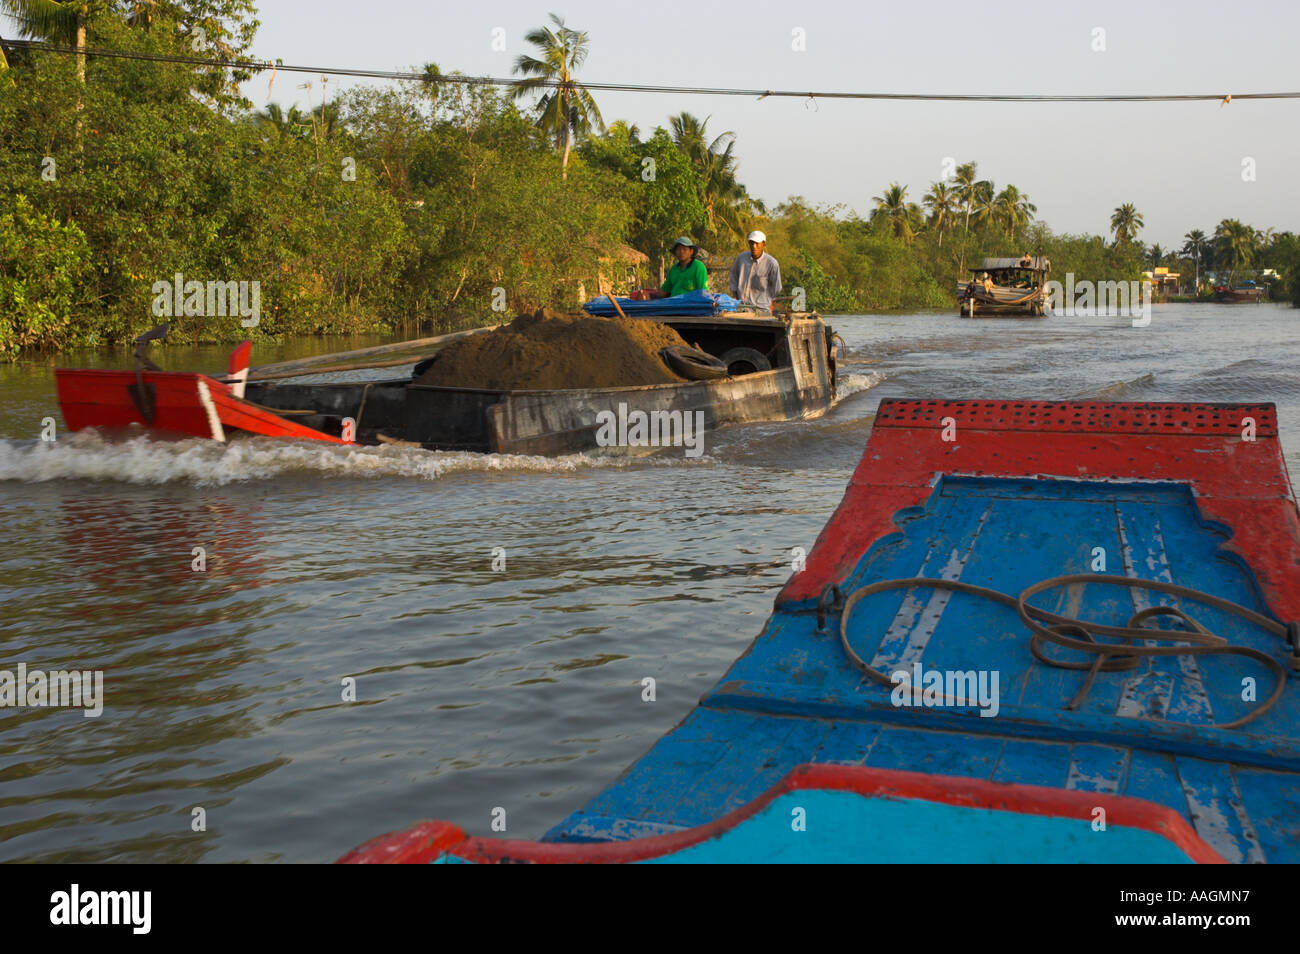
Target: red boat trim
{"x": 1239, "y": 478}
{"x": 187, "y": 404}
{"x": 424, "y": 842}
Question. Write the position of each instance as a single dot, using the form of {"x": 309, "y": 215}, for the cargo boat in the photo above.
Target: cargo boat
{"x": 1019, "y": 289}
{"x": 1248, "y": 292}
{"x": 1108, "y": 592}
{"x": 779, "y": 368}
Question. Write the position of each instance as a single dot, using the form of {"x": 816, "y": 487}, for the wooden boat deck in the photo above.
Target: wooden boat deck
{"x": 915, "y": 511}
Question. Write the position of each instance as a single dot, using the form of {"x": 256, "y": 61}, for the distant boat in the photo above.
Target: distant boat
{"x": 1019, "y": 289}
{"x": 1247, "y": 291}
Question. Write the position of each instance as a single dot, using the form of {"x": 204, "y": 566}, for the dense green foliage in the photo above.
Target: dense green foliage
{"x": 435, "y": 205}
{"x": 42, "y": 264}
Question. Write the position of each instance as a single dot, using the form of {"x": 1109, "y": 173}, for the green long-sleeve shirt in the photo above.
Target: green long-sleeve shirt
{"x": 681, "y": 280}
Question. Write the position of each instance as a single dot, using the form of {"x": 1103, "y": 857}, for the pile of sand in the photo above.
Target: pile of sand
{"x": 553, "y": 350}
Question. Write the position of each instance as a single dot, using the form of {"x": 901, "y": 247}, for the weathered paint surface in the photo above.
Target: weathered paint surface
{"x": 836, "y": 813}
{"x": 98, "y": 398}
{"x": 1026, "y": 491}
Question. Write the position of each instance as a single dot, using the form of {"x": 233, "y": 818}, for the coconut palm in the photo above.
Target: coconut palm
{"x": 1125, "y": 223}
{"x": 1236, "y": 244}
{"x": 64, "y": 21}
{"x": 964, "y": 180}
{"x": 57, "y": 21}
{"x": 981, "y": 203}
{"x": 1197, "y": 246}
{"x": 622, "y": 129}
{"x": 566, "y": 109}
{"x": 1012, "y": 210}
{"x": 902, "y": 216}
{"x": 715, "y": 161}
{"x": 293, "y": 123}
{"x": 942, "y": 203}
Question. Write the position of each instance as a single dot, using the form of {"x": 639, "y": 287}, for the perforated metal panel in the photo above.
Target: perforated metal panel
{"x": 1082, "y": 416}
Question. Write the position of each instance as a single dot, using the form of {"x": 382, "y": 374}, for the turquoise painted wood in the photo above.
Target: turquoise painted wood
{"x": 795, "y": 698}
{"x": 838, "y": 827}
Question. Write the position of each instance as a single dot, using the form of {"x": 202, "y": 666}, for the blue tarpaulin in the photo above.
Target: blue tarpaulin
{"x": 692, "y": 303}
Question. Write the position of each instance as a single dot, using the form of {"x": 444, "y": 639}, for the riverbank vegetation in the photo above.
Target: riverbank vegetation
{"x": 430, "y": 205}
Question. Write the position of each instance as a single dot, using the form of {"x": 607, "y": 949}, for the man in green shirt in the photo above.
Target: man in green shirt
{"x": 688, "y": 274}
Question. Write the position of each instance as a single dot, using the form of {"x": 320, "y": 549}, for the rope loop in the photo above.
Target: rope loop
{"x": 1130, "y": 644}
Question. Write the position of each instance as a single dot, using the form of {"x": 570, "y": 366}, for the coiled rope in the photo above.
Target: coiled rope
{"x": 1081, "y": 636}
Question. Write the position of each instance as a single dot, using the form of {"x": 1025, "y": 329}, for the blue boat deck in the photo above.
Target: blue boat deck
{"x": 1150, "y": 732}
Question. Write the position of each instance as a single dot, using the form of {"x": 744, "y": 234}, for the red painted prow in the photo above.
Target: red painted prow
{"x": 1229, "y": 456}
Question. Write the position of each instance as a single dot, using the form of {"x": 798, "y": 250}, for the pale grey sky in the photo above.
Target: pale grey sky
{"x": 1180, "y": 164}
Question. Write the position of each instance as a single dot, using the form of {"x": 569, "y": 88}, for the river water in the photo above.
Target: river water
{"x": 477, "y": 688}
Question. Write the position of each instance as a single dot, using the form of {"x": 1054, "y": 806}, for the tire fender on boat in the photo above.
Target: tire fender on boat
{"x": 755, "y": 360}
{"x": 692, "y": 363}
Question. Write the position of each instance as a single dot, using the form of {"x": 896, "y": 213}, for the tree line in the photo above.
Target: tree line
{"x": 428, "y": 205}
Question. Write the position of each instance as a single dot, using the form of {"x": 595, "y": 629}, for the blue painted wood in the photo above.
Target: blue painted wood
{"x": 794, "y": 697}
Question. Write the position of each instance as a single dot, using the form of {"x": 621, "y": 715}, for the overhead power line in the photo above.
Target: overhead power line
{"x": 639, "y": 88}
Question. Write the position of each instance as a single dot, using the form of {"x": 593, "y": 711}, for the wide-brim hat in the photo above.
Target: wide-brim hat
{"x": 683, "y": 240}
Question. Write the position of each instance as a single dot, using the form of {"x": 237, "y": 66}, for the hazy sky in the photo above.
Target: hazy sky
{"x": 1180, "y": 164}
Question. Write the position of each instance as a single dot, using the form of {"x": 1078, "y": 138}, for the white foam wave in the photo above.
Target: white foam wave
{"x": 847, "y": 385}
{"x": 88, "y": 456}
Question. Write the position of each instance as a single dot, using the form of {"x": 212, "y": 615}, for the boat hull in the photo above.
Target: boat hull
{"x": 857, "y": 813}
{"x": 179, "y": 404}
{"x": 1000, "y": 302}
{"x": 566, "y": 421}
{"x": 1239, "y": 296}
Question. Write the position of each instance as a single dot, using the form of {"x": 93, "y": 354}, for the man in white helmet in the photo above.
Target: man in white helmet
{"x": 756, "y": 276}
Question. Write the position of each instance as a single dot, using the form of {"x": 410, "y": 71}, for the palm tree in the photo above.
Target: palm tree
{"x": 981, "y": 203}
{"x": 1125, "y": 223}
{"x": 1236, "y": 242}
{"x": 942, "y": 203}
{"x": 50, "y": 20}
{"x": 1156, "y": 254}
{"x": 964, "y": 180}
{"x": 567, "y": 110}
{"x": 293, "y": 123}
{"x": 1196, "y": 245}
{"x": 621, "y": 128}
{"x": 1013, "y": 210}
{"x": 893, "y": 207}
{"x": 715, "y": 161}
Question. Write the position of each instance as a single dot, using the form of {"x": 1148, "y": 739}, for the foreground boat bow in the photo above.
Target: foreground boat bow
{"x": 1190, "y": 721}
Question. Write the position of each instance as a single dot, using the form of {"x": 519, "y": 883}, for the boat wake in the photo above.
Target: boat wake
{"x": 1119, "y": 389}
{"x": 87, "y": 455}
{"x": 853, "y": 383}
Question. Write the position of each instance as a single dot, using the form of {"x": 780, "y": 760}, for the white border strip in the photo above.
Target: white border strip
{"x": 214, "y": 421}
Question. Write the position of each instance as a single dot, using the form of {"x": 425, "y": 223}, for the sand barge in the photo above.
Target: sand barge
{"x": 553, "y": 350}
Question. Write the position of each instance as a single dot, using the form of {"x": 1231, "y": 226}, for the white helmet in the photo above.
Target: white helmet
{"x": 756, "y": 236}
